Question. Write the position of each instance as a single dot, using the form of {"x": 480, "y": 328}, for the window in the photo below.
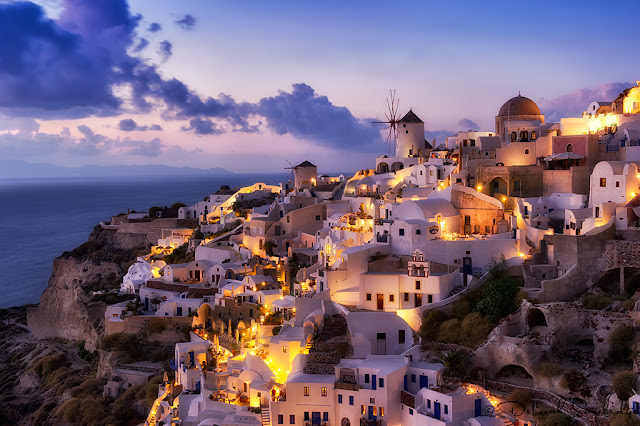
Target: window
{"x": 514, "y": 136}
{"x": 428, "y": 403}
{"x": 323, "y": 391}
{"x": 380, "y": 382}
{"x": 372, "y": 400}
{"x": 306, "y": 391}
{"x": 526, "y": 151}
{"x": 603, "y": 182}
{"x": 429, "y": 298}
{"x": 417, "y": 232}
{"x": 381, "y": 411}
{"x": 417, "y": 284}
{"x": 517, "y": 185}
{"x": 368, "y": 297}
{"x": 472, "y": 142}
{"x": 306, "y": 416}
{"x": 533, "y": 135}
{"x": 350, "y": 399}
{"x": 464, "y": 142}
{"x": 292, "y": 419}
{"x": 401, "y": 232}
{"x": 280, "y": 419}
{"x": 617, "y": 184}
{"x": 288, "y": 219}
{"x": 413, "y": 378}
{"x": 281, "y": 213}
{"x": 366, "y": 378}
{"x": 259, "y": 394}
{"x": 317, "y": 217}
{"x": 487, "y": 229}
{"x": 339, "y": 398}
{"x": 392, "y": 298}
{"x": 406, "y": 132}
{"x": 446, "y": 409}
{"x": 284, "y": 349}
{"x": 374, "y": 410}
{"x": 363, "y": 409}
{"x": 467, "y": 220}
{"x": 411, "y": 411}
{"x": 406, "y": 297}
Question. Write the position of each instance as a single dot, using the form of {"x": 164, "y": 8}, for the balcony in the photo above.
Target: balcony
{"x": 407, "y": 399}
{"x": 347, "y": 384}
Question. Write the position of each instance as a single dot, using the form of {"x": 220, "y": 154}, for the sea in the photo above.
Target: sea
{"x": 41, "y": 218}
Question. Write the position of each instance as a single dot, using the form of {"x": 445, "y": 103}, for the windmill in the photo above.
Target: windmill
{"x": 294, "y": 175}
{"x": 392, "y": 120}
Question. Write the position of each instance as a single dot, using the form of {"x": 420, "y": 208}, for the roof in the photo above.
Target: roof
{"x": 305, "y": 164}
{"x": 519, "y": 105}
{"x": 427, "y": 145}
{"x": 410, "y": 117}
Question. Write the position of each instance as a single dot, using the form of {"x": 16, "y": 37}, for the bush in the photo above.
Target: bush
{"x": 620, "y": 344}
{"x": 118, "y": 342}
{"x": 276, "y": 330}
{"x": 498, "y": 297}
{"x": 475, "y": 329}
{"x": 549, "y": 369}
{"x": 557, "y": 419}
{"x": 155, "y": 326}
{"x": 596, "y": 301}
{"x": 431, "y": 325}
{"x": 49, "y": 364}
{"x": 521, "y": 396}
{"x": 449, "y": 331}
{"x": 81, "y": 411}
{"x": 269, "y": 246}
{"x": 625, "y": 420}
{"x": 622, "y": 384}
{"x": 572, "y": 380}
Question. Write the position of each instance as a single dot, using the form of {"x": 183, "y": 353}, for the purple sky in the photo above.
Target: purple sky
{"x": 248, "y": 86}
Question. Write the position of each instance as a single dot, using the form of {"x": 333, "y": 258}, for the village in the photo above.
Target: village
{"x": 456, "y": 284}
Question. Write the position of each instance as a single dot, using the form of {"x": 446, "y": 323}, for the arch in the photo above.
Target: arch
{"x": 418, "y": 256}
{"x": 205, "y": 316}
{"x": 397, "y": 166}
{"x": 515, "y": 374}
{"x": 570, "y": 147}
{"x": 345, "y": 422}
{"x": 383, "y": 167}
{"x": 498, "y": 185}
{"x": 536, "y": 318}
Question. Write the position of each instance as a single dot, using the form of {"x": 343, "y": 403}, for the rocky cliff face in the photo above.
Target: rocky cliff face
{"x": 67, "y": 308}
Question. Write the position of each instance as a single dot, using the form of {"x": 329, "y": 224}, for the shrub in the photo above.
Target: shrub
{"x": 269, "y": 246}
{"x": 572, "y": 380}
{"x": 622, "y": 384}
{"x": 118, "y": 342}
{"x": 596, "y": 301}
{"x": 475, "y": 329}
{"x": 549, "y": 369}
{"x": 498, "y": 296}
{"x": 625, "y": 420}
{"x": 431, "y": 325}
{"x": 276, "y": 330}
{"x": 48, "y": 364}
{"x": 521, "y": 396}
{"x": 449, "y": 331}
{"x": 155, "y": 326}
{"x": 557, "y": 419}
{"x": 620, "y": 344}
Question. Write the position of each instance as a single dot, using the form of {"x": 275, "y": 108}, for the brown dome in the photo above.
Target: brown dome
{"x": 519, "y": 106}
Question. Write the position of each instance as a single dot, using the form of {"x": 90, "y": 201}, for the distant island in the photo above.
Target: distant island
{"x": 23, "y": 169}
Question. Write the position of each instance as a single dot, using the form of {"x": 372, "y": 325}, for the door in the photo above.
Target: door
{"x": 424, "y": 381}
{"x": 315, "y": 418}
{"x": 478, "y": 407}
{"x": 371, "y": 416}
{"x": 380, "y": 298}
{"x": 179, "y": 309}
{"x": 374, "y": 382}
{"x": 146, "y": 303}
{"x": 418, "y": 297}
{"x": 381, "y": 344}
{"x": 436, "y": 410}
{"x": 405, "y": 383}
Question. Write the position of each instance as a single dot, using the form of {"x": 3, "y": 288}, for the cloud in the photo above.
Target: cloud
{"x": 305, "y": 114}
{"x": 575, "y": 103}
{"x": 165, "y": 50}
{"x": 202, "y": 127}
{"x": 465, "y": 124}
{"x": 187, "y": 22}
{"x": 142, "y": 44}
{"x": 22, "y": 125}
{"x": 154, "y": 27}
{"x": 129, "y": 125}
{"x": 439, "y": 135}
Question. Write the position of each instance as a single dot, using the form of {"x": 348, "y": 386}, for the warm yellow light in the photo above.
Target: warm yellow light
{"x": 521, "y": 254}
{"x": 633, "y": 194}
{"x": 479, "y": 188}
{"x": 504, "y": 199}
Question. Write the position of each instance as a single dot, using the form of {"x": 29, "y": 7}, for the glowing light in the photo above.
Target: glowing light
{"x": 479, "y": 188}
{"x": 504, "y": 199}
{"x": 521, "y": 254}
{"x": 633, "y": 194}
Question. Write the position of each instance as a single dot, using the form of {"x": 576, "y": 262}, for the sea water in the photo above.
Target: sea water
{"x": 41, "y": 218}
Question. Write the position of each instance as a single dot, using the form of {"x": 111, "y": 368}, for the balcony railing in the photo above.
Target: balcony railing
{"x": 344, "y": 385}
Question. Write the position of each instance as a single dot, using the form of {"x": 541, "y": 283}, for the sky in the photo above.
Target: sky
{"x": 251, "y": 85}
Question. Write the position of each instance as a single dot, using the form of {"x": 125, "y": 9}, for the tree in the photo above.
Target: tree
{"x": 431, "y": 325}
{"x": 621, "y": 342}
{"x": 268, "y": 246}
{"x": 454, "y": 361}
{"x": 498, "y": 297}
{"x": 622, "y": 384}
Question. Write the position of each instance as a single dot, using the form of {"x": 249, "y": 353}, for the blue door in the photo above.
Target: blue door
{"x": 436, "y": 411}
{"x": 478, "y": 408}
{"x": 315, "y": 418}
{"x": 373, "y": 382}
{"x": 405, "y": 383}
{"x": 371, "y": 416}
{"x": 636, "y": 407}
{"x": 198, "y": 386}
{"x": 179, "y": 309}
{"x": 192, "y": 358}
{"x": 146, "y": 303}
{"x": 424, "y": 381}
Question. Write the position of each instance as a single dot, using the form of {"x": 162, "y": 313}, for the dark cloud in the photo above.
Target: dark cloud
{"x": 165, "y": 50}
{"x": 129, "y": 125}
{"x": 187, "y": 22}
{"x": 575, "y": 103}
{"x": 202, "y": 127}
{"x": 467, "y": 125}
{"x": 305, "y": 114}
{"x": 142, "y": 44}
{"x": 154, "y": 27}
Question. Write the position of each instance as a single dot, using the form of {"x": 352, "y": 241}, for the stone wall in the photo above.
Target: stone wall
{"x": 135, "y": 324}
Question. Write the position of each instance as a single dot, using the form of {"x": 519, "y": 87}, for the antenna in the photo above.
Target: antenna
{"x": 391, "y": 120}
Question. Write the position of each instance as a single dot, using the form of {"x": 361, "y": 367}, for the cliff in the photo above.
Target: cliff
{"x": 68, "y": 308}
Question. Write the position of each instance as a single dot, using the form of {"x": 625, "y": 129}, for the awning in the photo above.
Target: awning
{"x": 563, "y": 156}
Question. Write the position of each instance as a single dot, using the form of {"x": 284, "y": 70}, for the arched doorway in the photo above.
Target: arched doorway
{"x": 536, "y": 318}
{"x": 383, "y": 167}
{"x": 515, "y": 374}
{"x": 345, "y": 422}
{"x": 498, "y": 186}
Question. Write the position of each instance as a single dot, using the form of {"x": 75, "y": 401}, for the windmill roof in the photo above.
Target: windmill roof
{"x": 305, "y": 164}
{"x": 427, "y": 145}
{"x": 411, "y": 117}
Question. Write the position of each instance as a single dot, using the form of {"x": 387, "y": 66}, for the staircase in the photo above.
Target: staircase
{"x": 456, "y": 290}
{"x": 507, "y": 420}
{"x": 265, "y": 415}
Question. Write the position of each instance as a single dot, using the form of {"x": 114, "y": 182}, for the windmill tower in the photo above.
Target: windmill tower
{"x": 411, "y": 140}
{"x": 304, "y": 175}
{"x": 391, "y": 116}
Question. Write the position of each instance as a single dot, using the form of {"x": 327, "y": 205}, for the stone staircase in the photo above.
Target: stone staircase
{"x": 265, "y": 415}
{"x": 456, "y": 290}
{"x": 507, "y": 420}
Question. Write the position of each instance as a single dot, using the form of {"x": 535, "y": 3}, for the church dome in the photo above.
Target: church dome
{"x": 519, "y": 106}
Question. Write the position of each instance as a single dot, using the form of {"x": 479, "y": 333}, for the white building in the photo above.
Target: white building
{"x": 613, "y": 181}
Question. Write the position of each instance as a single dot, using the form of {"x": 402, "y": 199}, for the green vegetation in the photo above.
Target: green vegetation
{"x": 549, "y": 369}
{"x": 596, "y": 301}
{"x": 521, "y": 396}
{"x": 268, "y": 246}
{"x": 621, "y": 344}
{"x": 111, "y": 298}
{"x": 622, "y": 383}
{"x": 166, "y": 211}
{"x": 84, "y": 354}
{"x": 50, "y": 364}
{"x": 454, "y": 362}
{"x": 155, "y": 326}
{"x": 276, "y": 330}
{"x": 572, "y": 380}
{"x": 625, "y": 420}
{"x": 180, "y": 255}
{"x": 471, "y": 319}
{"x": 557, "y": 419}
